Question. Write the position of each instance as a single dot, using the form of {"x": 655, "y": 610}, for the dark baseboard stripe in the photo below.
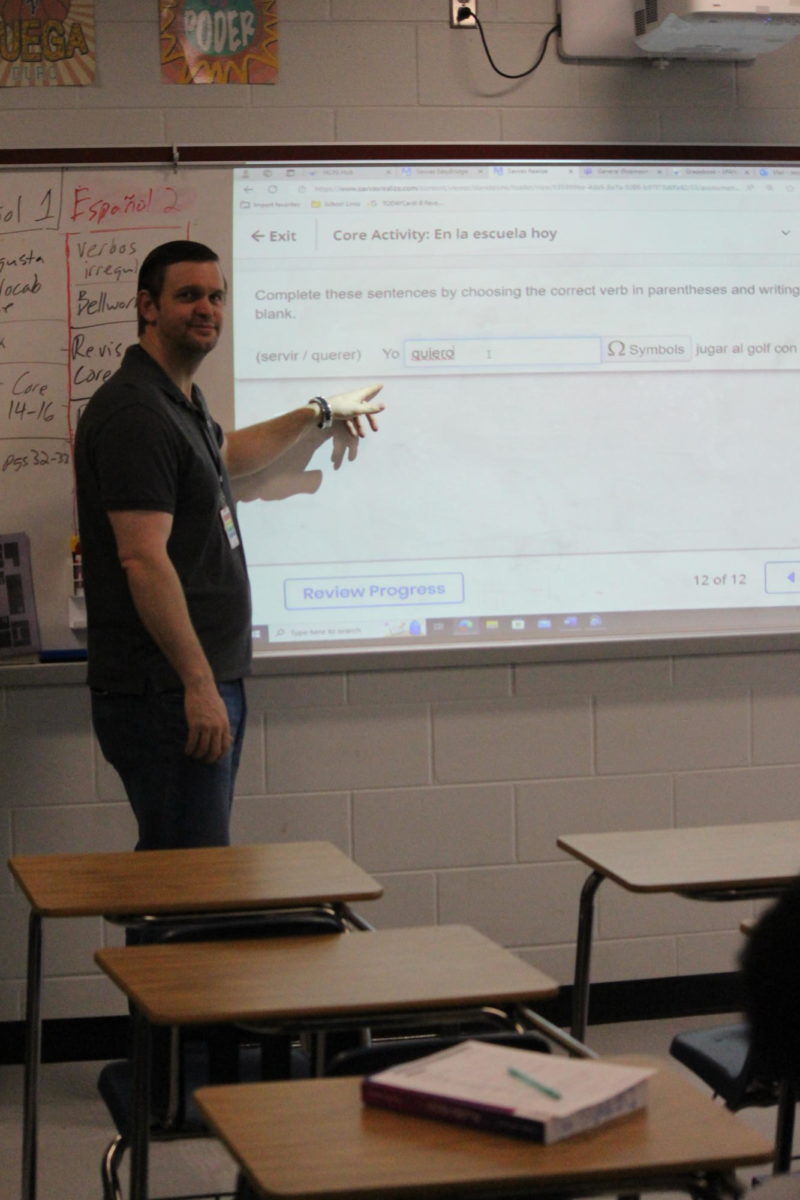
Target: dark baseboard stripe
{"x": 69, "y": 1039}
{"x": 652, "y": 999}
{"x": 84, "y": 1039}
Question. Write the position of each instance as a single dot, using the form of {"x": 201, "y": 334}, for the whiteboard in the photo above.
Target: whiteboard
{"x": 589, "y": 364}
{"x": 71, "y": 242}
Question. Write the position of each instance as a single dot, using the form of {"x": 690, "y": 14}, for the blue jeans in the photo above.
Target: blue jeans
{"x": 179, "y": 802}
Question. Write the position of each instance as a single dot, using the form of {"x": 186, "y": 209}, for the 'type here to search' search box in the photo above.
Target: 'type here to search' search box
{"x": 564, "y": 351}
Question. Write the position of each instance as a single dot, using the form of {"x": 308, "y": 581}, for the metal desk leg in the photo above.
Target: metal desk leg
{"x": 719, "y": 1185}
{"x": 551, "y": 1031}
{"x": 583, "y": 956}
{"x": 784, "y": 1129}
{"x": 140, "y": 1117}
{"x": 33, "y": 1056}
{"x": 346, "y": 913}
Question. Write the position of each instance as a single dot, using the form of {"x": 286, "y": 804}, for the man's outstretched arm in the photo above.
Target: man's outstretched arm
{"x": 257, "y": 446}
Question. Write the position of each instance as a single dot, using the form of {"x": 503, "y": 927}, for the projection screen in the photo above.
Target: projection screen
{"x": 589, "y": 368}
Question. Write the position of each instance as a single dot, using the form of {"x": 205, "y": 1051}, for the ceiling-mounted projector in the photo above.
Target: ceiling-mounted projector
{"x": 715, "y": 29}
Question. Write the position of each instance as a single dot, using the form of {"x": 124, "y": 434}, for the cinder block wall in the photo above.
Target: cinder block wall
{"x": 450, "y": 785}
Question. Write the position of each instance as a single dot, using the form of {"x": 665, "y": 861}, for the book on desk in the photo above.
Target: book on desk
{"x": 542, "y": 1097}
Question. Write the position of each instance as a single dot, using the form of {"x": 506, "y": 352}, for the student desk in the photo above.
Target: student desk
{"x": 714, "y": 862}
{"x": 314, "y": 1140}
{"x": 312, "y": 983}
{"x": 133, "y": 888}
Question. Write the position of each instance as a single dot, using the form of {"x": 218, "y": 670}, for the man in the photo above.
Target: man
{"x": 167, "y": 596}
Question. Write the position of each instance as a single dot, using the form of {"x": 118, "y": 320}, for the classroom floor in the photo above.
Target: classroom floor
{"x": 75, "y": 1128}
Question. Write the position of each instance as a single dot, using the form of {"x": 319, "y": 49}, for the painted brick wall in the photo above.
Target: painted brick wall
{"x": 450, "y": 785}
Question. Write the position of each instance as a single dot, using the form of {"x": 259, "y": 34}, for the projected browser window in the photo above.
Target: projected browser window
{"x": 590, "y": 373}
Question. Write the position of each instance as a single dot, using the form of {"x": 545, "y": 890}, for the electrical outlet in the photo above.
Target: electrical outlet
{"x": 467, "y": 22}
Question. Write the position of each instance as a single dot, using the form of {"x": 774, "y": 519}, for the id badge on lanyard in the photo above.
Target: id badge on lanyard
{"x": 228, "y": 523}
{"x": 225, "y": 514}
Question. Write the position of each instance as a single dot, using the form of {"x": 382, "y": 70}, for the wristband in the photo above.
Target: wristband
{"x": 325, "y": 412}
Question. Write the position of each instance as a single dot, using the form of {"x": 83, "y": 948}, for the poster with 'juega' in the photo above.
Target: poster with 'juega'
{"x": 47, "y": 43}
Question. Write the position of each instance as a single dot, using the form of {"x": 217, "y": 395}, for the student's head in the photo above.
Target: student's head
{"x": 154, "y": 268}
{"x": 770, "y": 963}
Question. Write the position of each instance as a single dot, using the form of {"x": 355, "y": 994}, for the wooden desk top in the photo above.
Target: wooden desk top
{"x": 314, "y": 1140}
{"x": 390, "y": 970}
{"x": 706, "y": 858}
{"x": 216, "y": 879}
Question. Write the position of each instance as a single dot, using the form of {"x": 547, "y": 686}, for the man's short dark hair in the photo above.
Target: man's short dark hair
{"x": 154, "y": 268}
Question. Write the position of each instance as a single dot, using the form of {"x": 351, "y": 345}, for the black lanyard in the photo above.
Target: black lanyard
{"x": 199, "y": 410}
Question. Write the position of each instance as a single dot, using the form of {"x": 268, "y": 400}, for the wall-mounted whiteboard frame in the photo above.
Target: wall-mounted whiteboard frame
{"x": 204, "y": 177}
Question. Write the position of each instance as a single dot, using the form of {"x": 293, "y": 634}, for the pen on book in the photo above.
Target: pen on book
{"x": 524, "y": 1077}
